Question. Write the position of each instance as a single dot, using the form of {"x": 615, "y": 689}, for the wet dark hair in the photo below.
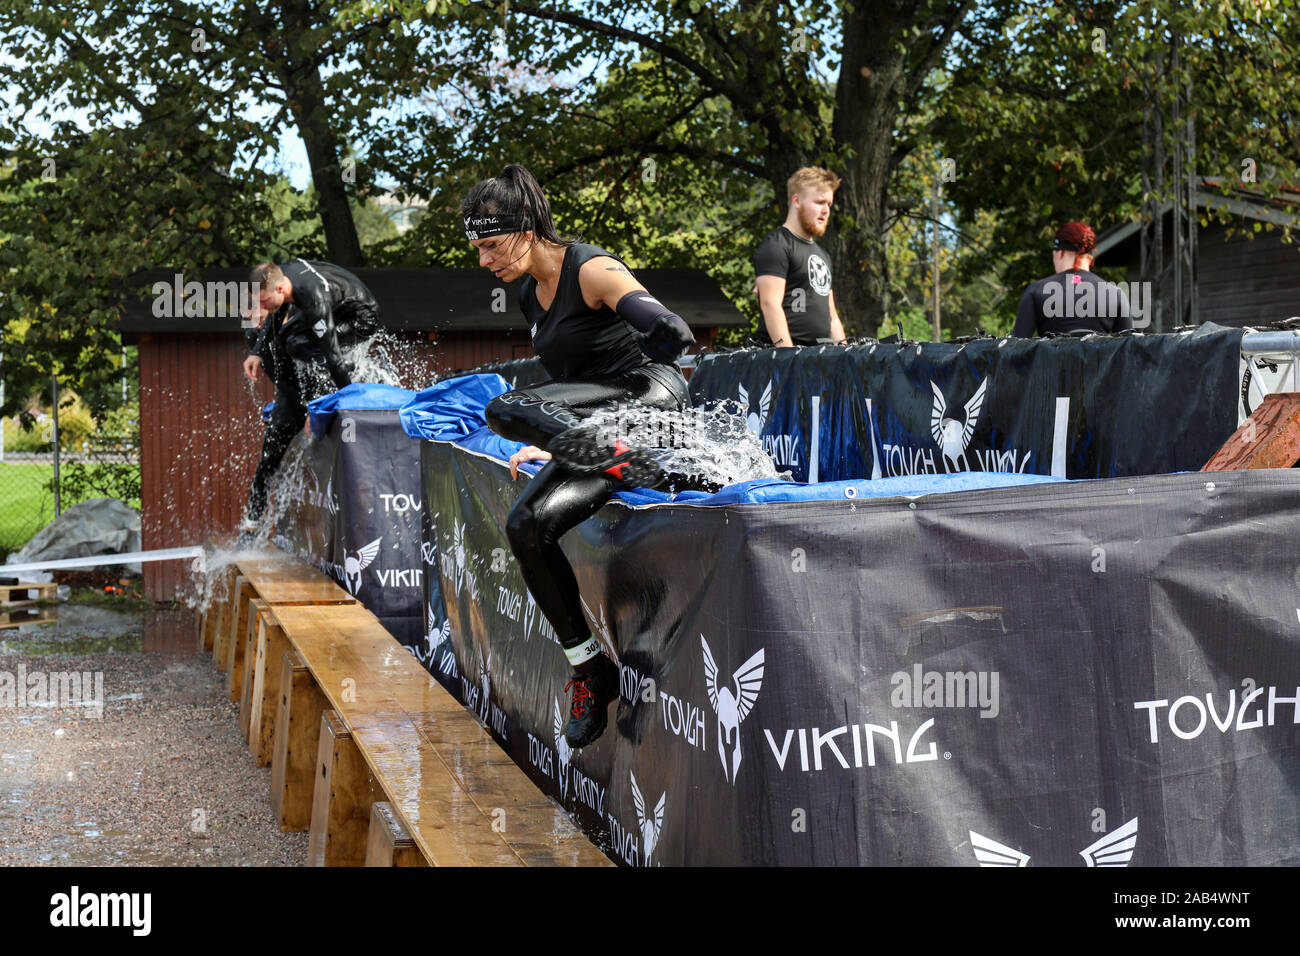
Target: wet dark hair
{"x": 515, "y": 192}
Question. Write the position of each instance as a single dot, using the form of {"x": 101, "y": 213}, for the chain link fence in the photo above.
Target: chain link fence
{"x": 104, "y": 466}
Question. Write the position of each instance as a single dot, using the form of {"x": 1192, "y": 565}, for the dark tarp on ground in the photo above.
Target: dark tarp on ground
{"x": 1138, "y": 404}
{"x": 1142, "y": 633}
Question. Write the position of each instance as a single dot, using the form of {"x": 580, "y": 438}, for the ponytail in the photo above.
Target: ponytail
{"x": 515, "y": 192}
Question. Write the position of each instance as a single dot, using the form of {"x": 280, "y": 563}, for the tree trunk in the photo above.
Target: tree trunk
{"x": 307, "y": 101}
{"x": 871, "y": 81}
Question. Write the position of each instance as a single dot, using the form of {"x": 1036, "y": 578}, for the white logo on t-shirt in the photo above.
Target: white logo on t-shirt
{"x": 819, "y": 275}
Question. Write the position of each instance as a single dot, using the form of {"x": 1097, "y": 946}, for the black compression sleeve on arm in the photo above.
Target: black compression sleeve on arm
{"x": 667, "y": 334}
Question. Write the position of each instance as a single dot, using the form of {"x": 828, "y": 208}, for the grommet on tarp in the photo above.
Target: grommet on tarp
{"x": 850, "y": 492}
{"x": 1209, "y": 486}
{"x": 911, "y": 505}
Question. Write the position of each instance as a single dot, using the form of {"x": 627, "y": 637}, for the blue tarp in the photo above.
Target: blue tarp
{"x": 452, "y": 411}
{"x": 354, "y": 397}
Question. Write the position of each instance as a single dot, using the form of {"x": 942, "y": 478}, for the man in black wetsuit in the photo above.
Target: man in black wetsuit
{"x": 1073, "y": 299}
{"x": 604, "y": 340}
{"x": 794, "y": 273}
{"x": 313, "y": 310}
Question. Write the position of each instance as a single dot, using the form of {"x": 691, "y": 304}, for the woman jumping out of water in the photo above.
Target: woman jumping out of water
{"x": 584, "y": 308}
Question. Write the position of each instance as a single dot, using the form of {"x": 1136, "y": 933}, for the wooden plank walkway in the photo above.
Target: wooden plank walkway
{"x": 463, "y": 800}
{"x": 367, "y": 750}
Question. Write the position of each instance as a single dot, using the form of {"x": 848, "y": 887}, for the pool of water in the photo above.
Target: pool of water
{"x": 82, "y": 629}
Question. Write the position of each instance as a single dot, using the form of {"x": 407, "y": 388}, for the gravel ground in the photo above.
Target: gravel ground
{"x": 163, "y": 778}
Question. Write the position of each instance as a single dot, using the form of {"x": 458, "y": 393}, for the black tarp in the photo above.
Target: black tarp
{"x": 1123, "y": 405}
{"x": 1074, "y": 674}
{"x": 357, "y": 516}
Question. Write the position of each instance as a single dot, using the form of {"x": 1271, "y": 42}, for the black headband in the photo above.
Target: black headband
{"x": 485, "y": 227}
{"x": 1060, "y": 245}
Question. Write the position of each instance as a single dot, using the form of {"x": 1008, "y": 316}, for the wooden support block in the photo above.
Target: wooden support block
{"x": 297, "y": 728}
{"x": 244, "y": 598}
{"x": 229, "y": 623}
{"x": 1269, "y": 438}
{"x": 257, "y": 609}
{"x": 388, "y": 842}
{"x": 222, "y": 598}
{"x": 271, "y": 647}
{"x": 345, "y": 791}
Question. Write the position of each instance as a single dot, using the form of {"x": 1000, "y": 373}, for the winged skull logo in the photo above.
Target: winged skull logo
{"x": 563, "y": 752}
{"x": 731, "y": 708}
{"x": 438, "y": 633}
{"x": 756, "y": 422}
{"x": 953, "y": 436}
{"x": 1113, "y": 849}
{"x": 460, "y": 557}
{"x": 354, "y": 565}
{"x": 648, "y": 825}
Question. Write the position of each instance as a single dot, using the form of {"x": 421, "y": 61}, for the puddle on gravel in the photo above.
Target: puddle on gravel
{"x": 82, "y": 629}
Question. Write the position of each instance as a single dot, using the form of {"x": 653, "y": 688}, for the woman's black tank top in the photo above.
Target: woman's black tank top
{"x": 572, "y": 339}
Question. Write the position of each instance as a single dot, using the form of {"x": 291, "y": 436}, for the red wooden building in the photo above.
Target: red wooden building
{"x": 200, "y": 421}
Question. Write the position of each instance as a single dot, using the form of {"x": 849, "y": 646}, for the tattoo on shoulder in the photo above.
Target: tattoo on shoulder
{"x": 617, "y": 269}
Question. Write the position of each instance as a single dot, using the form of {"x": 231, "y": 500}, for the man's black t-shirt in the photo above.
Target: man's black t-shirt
{"x": 806, "y": 269}
{"x": 1071, "y": 301}
{"x": 573, "y": 340}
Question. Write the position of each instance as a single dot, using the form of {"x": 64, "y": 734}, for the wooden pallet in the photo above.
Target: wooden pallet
{"x": 26, "y": 593}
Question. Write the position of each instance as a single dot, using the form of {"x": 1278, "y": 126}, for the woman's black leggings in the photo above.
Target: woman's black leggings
{"x": 557, "y": 500}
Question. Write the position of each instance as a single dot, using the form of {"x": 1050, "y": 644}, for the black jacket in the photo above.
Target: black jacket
{"x": 331, "y": 308}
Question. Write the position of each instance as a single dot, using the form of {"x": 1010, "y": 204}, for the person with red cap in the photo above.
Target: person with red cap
{"x": 1072, "y": 299}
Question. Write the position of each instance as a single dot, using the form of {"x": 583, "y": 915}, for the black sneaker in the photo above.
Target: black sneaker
{"x": 582, "y": 450}
{"x": 588, "y": 712}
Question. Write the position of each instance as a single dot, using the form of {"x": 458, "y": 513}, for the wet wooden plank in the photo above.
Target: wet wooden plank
{"x": 452, "y": 785}
{"x": 536, "y": 828}
{"x": 446, "y": 823}
{"x": 285, "y": 579}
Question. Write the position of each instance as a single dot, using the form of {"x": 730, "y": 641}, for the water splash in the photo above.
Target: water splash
{"x": 714, "y": 444}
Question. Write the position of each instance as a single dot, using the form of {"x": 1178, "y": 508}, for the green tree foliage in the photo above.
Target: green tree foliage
{"x": 1051, "y": 121}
